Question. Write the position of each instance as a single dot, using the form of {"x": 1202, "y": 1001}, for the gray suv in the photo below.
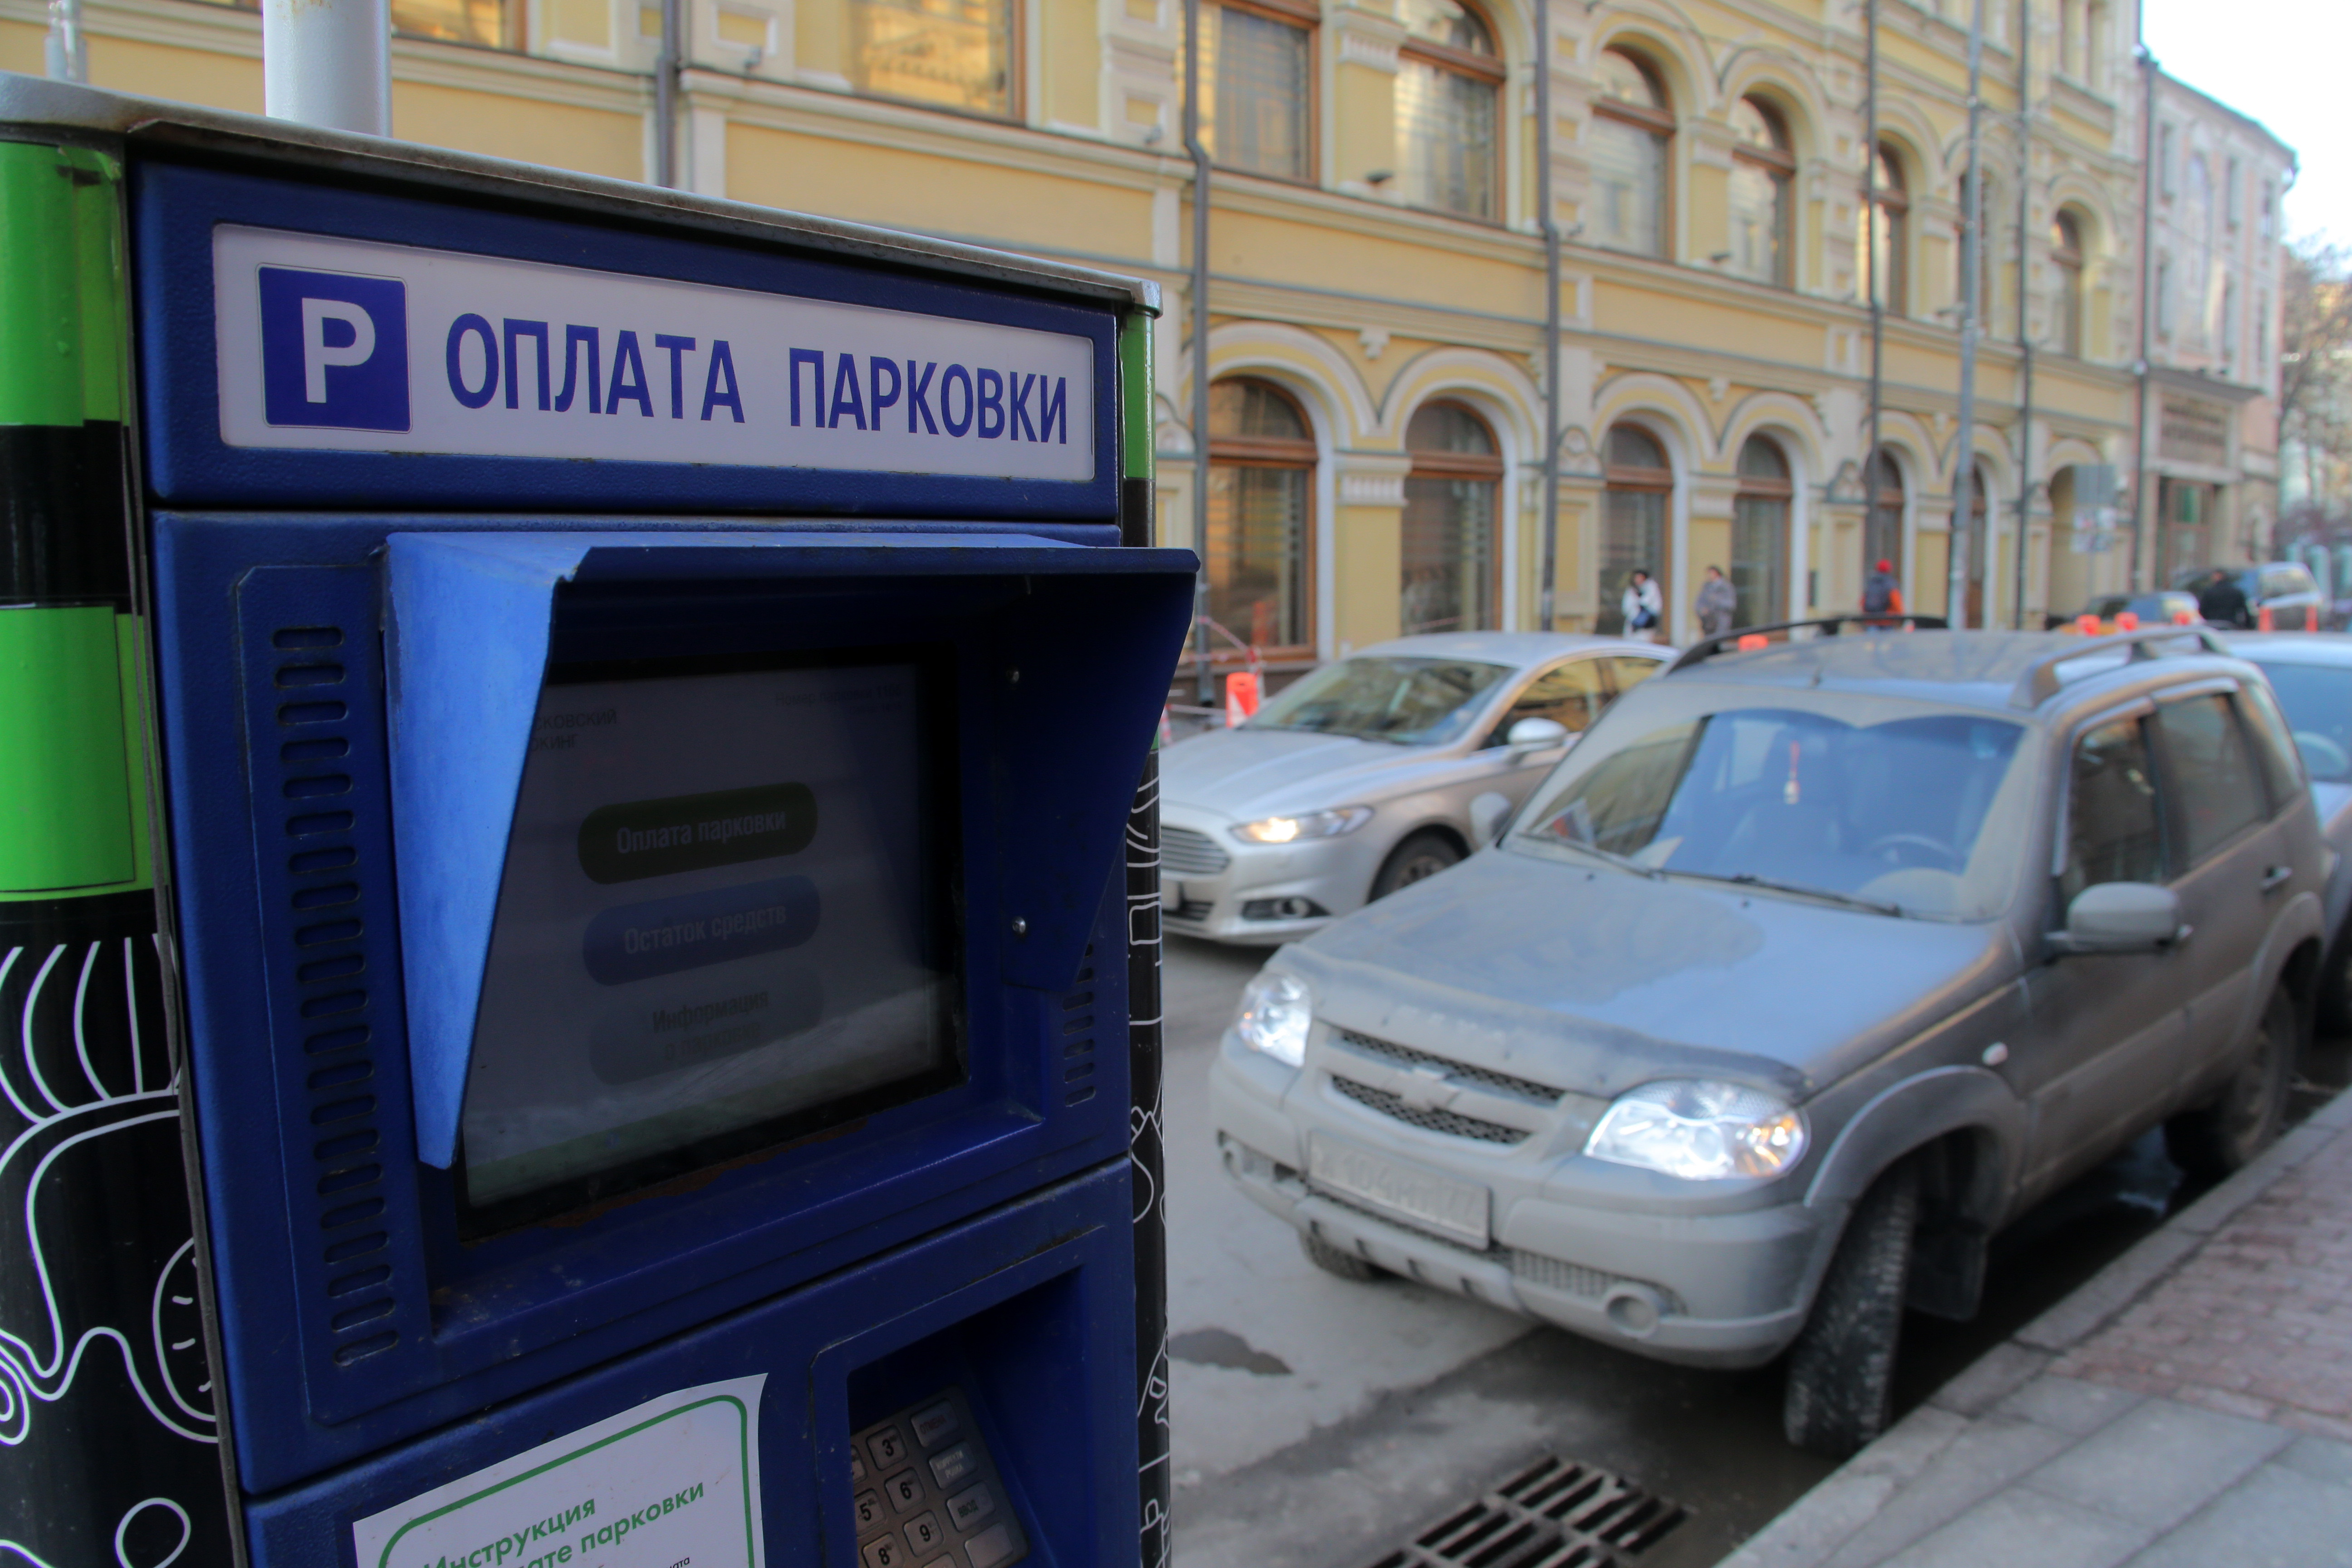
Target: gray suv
{"x": 1809, "y": 968}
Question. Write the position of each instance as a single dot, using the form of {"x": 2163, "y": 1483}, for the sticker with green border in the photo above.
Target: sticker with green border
{"x": 674, "y": 1480}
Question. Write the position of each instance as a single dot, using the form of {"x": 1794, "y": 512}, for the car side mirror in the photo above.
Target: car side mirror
{"x": 2121, "y": 917}
{"x": 1490, "y": 813}
{"x": 1533, "y": 731}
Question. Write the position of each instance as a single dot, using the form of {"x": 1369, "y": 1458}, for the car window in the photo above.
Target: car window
{"x": 2209, "y": 771}
{"x": 1411, "y": 701}
{"x": 2273, "y": 745}
{"x": 2278, "y": 582}
{"x": 2113, "y": 832}
{"x": 1628, "y": 673}
{"x": 2318, "y": 703}
{"x": 1569, "y": 696}
{"x": 1891, "y": 812}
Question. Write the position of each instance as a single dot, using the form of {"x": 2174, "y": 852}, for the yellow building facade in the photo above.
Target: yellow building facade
{"x": 1375, "y": 313}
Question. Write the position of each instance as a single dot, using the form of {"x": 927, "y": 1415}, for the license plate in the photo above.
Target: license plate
{"x": 1172, "y": 895}
{"x": 1457, "y": 1209}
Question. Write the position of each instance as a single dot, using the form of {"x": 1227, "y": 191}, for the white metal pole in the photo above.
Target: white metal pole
{"x": 66, "y": 58}
{"x": 328, "y": 63}
{"x": 1964, "y": 457}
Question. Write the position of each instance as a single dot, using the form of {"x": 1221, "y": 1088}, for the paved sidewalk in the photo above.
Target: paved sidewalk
{"x": 2190, "y": 1407}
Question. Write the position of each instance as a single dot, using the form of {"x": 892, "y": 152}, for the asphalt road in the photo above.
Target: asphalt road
{"x": 1319, "y": 1423}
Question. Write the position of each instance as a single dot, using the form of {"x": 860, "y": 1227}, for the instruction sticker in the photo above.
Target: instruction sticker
{"x": 671, "y": 1483}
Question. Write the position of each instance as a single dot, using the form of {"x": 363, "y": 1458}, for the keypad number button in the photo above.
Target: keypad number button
{"x": 885, "y": 1552}
{"x": 923, "y": 1531}
{"x": 904, "y": 1489}
{"x": 888, "y": 1446}
{"x": 968, "y": 1508}
{"x": 869, "y": 1509}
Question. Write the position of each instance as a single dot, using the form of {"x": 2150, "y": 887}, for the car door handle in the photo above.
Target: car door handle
{"x": 2277, "y": 876}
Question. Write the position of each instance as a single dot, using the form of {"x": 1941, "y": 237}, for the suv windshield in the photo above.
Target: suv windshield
{"x": 1879, "y": 802}
{"x": 1411, "y": 701}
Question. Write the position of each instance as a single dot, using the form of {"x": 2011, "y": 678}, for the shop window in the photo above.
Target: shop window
{"x": 1763, "y": 174}
{"x": 2067, "y": 260}
{"x": 1632, "y": 126}
{"x": 486, "y": 23}
{"x": 950, "y": 54}
{"x": 1882, "y": 522}
{"x": 1759, "y": 534}
{"x": 1451, "y": 554}
{"x": 1256, "y": 94}
{"x": 1886, "y": 241}
{"x": 1261, "y": 488}
{"x": 1633, "y": 526}
{"x": 1449, "y": 81}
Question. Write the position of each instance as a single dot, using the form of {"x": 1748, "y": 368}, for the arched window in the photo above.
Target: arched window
{"x": 1448, "y": 80}
{"x": 1258, "y": 73}
{"x": 2066, "y": 256}
{"x": 1763, "y": 170}
{"x": 1882, "y": 522}
{"x": 1886, "y": 237}
{"x": 1631, "y": 125}
{"x": 1632, "y": 524}
{"x": 1759, "y": 534}
{"x": 1451, "y": 556}
{"x": 1261, "y": 480}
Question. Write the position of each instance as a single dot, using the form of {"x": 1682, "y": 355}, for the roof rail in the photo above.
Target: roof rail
{"x": 1705, "y": 649}
{"x": 2041, "y": 680}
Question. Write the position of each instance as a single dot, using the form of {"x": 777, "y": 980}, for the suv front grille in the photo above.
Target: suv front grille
{"x": 1190, "y": 854}
{"x": 1405, "y": 1056}
{"x": 1446, "y": 1121}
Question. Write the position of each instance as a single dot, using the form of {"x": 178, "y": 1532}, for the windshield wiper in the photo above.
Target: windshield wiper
{"x": 1750, "y": 880}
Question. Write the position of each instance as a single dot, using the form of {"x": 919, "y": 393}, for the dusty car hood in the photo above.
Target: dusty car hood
{"x": 1248, "y": 773}
{"x": 1597, "y": 981}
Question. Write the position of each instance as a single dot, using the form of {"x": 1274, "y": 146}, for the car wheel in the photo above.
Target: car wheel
{"x": 1331, "y": 1261}
{"x": 1841, "y": 1387}
{"x": 1417, "y": 859}
{"x": 2244, "y": 1120}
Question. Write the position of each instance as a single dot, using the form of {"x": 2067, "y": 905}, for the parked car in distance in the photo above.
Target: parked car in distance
{"x": 1358, "y": 779}
{"x": 2162, "y": 608}
{"x": 2285, "y": 588}
{"x": 2313, "y": 679}
{"x": 1807, "y": 970}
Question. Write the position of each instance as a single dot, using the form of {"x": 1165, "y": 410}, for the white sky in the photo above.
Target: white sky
{"x": 2283, "y": 62}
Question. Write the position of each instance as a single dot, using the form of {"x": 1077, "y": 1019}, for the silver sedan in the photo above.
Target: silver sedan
{"x": 1362, "y": 777}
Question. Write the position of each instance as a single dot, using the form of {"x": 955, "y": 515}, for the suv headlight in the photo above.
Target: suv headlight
{"x": 1314, "y": 824}
{"x": 1276, "y": 1013}
{"x": 1701, "y": 1129}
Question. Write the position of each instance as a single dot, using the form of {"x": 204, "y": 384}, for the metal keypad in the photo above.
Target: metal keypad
{"x": 925, "y": 1492}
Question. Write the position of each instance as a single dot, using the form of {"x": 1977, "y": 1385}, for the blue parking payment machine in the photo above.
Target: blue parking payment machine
{"x": 650, "y": 698}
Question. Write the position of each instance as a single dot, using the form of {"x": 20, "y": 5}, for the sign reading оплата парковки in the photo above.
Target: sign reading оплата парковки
{"x": 349, "y": 345}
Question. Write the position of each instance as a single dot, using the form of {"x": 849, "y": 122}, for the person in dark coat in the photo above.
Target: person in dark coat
{"x": 2221, "y": 601}
{"x": 1716, "y": 603}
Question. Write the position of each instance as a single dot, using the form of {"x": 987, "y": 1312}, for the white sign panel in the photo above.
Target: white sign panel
{"x": 347, "y": 345}
{"x": 674, "y": 1480}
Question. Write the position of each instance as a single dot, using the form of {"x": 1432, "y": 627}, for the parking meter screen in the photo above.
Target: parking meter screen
{"x": 723, "y": 924}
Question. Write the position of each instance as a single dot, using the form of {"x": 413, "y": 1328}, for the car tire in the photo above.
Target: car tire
{"x": 2248, "y": 1114}
{"x": 1840, "y": 1375}
{"x": 1332, "y": 1260}
{"x": 1419, "y": 857}
{"x": 2335, "y": 1006}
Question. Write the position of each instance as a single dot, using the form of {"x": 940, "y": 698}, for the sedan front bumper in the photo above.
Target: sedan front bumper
{"x": 1216, "y": 886}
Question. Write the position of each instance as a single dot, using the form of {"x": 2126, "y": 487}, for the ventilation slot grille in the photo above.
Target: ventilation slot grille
{"x": 1074, "y": 1033}
{"x": 330, "y": 965}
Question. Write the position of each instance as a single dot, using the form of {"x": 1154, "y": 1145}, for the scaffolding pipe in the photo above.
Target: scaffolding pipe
{"x": 1547, "y": 222}
{"x": 1199, "y": 152}
{"x": 1963, "y": 532}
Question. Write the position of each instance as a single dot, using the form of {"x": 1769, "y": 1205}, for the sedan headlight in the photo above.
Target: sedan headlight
{"x": 1701, "y": 1129}
{"x": 1276, "y": 1013}
{"x": 1314, "y": 824}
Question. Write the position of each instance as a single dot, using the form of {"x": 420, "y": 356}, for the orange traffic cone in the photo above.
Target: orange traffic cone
{"x": 2088, "y": 624}
{"x": 2264, "y": 621}
{"x": 1240, "y": 697}
{"x": 2128, "y": 622}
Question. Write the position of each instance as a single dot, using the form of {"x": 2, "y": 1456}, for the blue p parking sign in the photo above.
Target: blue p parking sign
{"x": 334, "y": 349}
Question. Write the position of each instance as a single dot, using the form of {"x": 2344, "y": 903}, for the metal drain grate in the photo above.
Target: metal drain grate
{"x": 1553, "y": 1514}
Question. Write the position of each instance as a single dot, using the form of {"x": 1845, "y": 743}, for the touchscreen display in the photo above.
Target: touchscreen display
{"x": 721, "y": 925}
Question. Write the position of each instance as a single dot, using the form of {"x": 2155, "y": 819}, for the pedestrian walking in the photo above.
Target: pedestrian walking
{"x": 1716, "y": 603}
{"x": 1882, "y": 594}
{"x": 2221, "y": 601}
{"x": 1642, "y": 609}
